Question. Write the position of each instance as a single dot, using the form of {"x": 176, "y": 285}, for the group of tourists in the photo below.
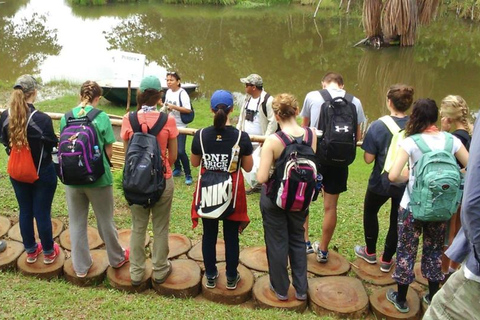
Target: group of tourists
{"x": 293, "y": 165}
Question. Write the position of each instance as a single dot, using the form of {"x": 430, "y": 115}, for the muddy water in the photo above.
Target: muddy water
{"x": 215, "y": 46}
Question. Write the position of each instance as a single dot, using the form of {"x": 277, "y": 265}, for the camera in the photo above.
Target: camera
{"x": 250, "y": 115}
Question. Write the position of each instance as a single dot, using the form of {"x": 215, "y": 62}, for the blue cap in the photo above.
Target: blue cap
{"x": 221, "y": 97}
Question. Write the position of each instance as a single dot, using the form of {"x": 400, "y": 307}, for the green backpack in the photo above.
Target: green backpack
{"x": 437, "y": 190}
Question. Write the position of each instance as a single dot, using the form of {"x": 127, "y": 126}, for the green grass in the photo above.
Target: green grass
{"x": 27, "y": 297}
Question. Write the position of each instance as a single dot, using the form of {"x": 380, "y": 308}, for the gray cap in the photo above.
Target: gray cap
{"x": 27, "y": 83}
{"x": 254, "y": 79}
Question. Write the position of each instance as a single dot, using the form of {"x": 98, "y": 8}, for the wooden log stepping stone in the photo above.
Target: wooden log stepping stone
{"x": 343, "y": 296}
{"x": 14, "y": 232}
{"x": 94, "y": 240}
{"x": 120, "y": 278}
{"x": 418, "y": 274}
{"x": 384, "y": 309}
{"x": 95, "y": 274}
{"x": 196, "y": 252}
{"x": 371, "y": 272}
{"x": 337, "y": 265}
{"x": 183, "y": 282}
{"x": 266, "y": 299}
{"x": 255, "y": 258}
{"x": 8, "y": 258}
{"x": 5, "y": 225}
{"x": 178, "y": 244}
{"x": 124, "y": 238}
{"x": 40, "y": 269}
{"x": 221, "y": 294}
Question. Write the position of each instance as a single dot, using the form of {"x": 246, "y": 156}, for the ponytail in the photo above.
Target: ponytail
{"x": 17, "y": 124}
{"x": 221, "y": 118}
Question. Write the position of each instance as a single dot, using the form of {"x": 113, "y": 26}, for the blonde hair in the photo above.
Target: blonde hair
{"x": 455, "y": 108}
{"x": 18, "y": 114}
{"x": 285, "y": 105}
{"x": 88, "y": 92}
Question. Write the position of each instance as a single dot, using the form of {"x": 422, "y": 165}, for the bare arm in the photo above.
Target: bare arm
{"x": 172, "y": 148}
{"x": 462, "y": 155}
{"x": 109, "y": 150}
{"x": 266, "y": 160}
{"x": 247, "y": 163}
{"x": 359, "y": 133}
{"x": 396, "y": 174}
{"x": 368, "y": 157}
{"x": 195, "y": 160}
{"x": 305, "y": 121}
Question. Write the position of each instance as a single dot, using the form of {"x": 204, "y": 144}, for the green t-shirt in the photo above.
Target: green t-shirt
{"x": 105, "y": 136}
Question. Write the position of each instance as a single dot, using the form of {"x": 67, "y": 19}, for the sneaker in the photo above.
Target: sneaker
{"x": 232, "y": 284}
{"x": 125, "y": 259}
{"x": 177, "y": 172}
{"x": 300, "y": 296}
{"x": 211, "y": 281}
{"x": 385, "y": 266}
{"x": 3, "y": 245}
{"x": 279, "y": 296}
{"x": 50, "y": 258}
{"x": 427, "y": 299}
{"x": 309, "y": 247}
{"x": 188, "y": 180}
{"x": 322, "y": 256}
{"x": 162, "y": 280}
{"x": 400, "y": 306}
{"x": 32, "y": 257}
{"x": 136, "y": 283}
{"x": 361, "y": 252}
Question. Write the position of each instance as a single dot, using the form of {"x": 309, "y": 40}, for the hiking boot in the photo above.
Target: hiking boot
{"x": 278, "y": 295}
{"x": 361, "y": 252}
{"x": 162, "y": 280}
{"x": 400, "y": 306}
{"x": 232, "y": 283}
{"x": 32, "y": 257}
{"x": 300, "y": 296}
{"x": 309, "y": 248}
{"x": 125, "y": 259}
{"x": 50, "y": 258}
{"x": 3, "y": 245}
{"x": 385, "y": 266}
{"x": 188, "y": 179}
{"x": 211, "y": 281}
{"x": 256, "y": 189}
{"x": 177, "y": 172}
{"x": 427, "y": 299}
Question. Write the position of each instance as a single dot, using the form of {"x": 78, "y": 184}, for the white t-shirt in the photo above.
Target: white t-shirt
{"x": 434, "y": 142}
{"x": 174, "y": 97}
{"x": 254, "y": 127}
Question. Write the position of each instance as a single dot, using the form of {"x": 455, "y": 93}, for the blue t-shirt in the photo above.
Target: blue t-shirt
{"x": 376, "y": 142}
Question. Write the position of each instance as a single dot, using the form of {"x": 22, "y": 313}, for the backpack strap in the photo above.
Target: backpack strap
{"x": 284, "y": 138}
{"x": 308, "y": 136}
{"x": 448, "y": 142}
{"x": 325, "y": 95}
{"x": 158, "y": 126}
{"x": 422, "y": 145}
{"x": 390, "y": 124}
{"x": 264, "y": 104}
{"x": 133, "y": 118}
{"x": 92, "y": 114}
{"x": 348, "y": 97}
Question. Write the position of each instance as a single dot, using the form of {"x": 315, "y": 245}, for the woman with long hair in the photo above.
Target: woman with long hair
{"x": 23, "y": 125}
{"x": 422, "y": 122}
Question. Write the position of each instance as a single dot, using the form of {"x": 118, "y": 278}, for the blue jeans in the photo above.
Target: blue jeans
{"x": 182, "y": 158}
{"x": 35, "y": 201}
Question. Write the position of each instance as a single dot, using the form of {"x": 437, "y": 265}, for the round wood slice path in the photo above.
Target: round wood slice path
{"x": 94, "y": 240}
{"x": 95, "y": 274}
{"x": 255, "y": 258}
{"x": 371, "y": 273}
{"x": 337, "y": 265}
{"x": 124, "y": 236}
{"x": 8, "y": 258}
{"x": 196, "y": 252}
{"x": 120, "y": 278}
{"x": 5, "y": 225}
{"x": 266, "y": 299}
{"x": 14, "y": 232}
{"x": 384, "y": 309}
{"x": 39, "y": 269}
{"x": 344, "y": 296}
{"x": 418, "y": 274}
{"x": 183, "y": 282}
{"x": 178, "y": 244}
{"x": 221, "y": 294}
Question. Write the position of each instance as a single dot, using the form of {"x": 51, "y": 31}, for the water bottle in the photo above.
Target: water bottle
{"x": 96, "y": 152}
{"x": 55, "y": 155}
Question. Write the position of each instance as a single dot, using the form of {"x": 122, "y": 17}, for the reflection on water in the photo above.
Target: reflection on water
{"x": 215, "y": 46}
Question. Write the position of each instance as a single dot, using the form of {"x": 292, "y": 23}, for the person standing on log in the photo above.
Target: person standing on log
{"x": 376, "y": 145}
{"x": 23, "y": 125}
{"x": 284, "y": 230}
{"x": 212, "y": 149}
{"x": 98, "y": 193}
{"x": 421, "y": 123}
{"x": 148, "y": 96}
{"x": 177, "y": 101}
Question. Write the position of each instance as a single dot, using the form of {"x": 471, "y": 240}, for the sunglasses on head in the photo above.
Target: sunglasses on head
{"x": 172, "y": 73}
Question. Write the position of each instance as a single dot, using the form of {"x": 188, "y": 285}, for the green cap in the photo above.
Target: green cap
{"x": 150, "y": 82}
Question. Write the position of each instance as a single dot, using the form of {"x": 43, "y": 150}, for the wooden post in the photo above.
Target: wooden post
{"x": 129, "y": 94}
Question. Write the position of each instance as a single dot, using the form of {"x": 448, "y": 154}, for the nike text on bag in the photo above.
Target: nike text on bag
{"x": 293, "y": 183}
{"x": 186, "y": 117}
{"x": 144, "y": 171}
{"x": 437, "y": 190}
{"x": 215, "y": 198}
{"x": 338, "y": 126}
{"x": 79, "y": 157}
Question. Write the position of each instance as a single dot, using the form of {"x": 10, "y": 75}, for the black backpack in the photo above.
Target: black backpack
{"x": 79, "y": 157}
{"x": 186, "y": 117}
{"x": 338, "y": 126}
{"x": 143, "y": 173}
{"x": 293, "y": 184}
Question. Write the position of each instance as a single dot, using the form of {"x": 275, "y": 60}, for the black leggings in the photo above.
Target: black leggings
{"x": 372, "y": 204}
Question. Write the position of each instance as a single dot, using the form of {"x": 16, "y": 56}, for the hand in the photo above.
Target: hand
{"x": 445, "y": 124}
{"x": 243, "y": 225}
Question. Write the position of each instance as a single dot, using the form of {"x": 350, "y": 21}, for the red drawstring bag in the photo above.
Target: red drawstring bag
{"x": 20, "y": 165}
